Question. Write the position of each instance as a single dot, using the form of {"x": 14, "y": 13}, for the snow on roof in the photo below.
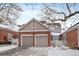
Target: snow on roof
{"x": 53, "y": 33}
{"x": 10, "y": 27}
{"x": 63, "y": 31}
{"x": 33, "y": 19}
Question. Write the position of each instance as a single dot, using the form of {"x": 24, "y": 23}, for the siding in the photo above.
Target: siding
{"x": 33, "y": 25}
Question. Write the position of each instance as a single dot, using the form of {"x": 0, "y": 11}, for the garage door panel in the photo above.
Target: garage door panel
{"x": 27, "y": 41}
{"x": 41, "y": 41}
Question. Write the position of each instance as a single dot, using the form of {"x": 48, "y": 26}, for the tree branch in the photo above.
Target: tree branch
{"x": 68, "y": 8}
{"x": 72, "y": 14}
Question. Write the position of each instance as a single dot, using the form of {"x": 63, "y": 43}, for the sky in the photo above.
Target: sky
{"x": 28, "y": 13}
{"x": 33, "y": 10}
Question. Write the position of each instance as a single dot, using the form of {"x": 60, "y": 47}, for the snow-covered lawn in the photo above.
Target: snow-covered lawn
{"x": 44, "y": 51}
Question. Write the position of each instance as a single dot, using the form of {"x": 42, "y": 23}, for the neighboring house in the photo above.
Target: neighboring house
{"x": 55, "y": 37}
{"x": 35, "y": 34}
{"x": 54, "y": 27}
{"x": 71, "y": 36}
{"x": 63, "y": 38}
{"x": 6, "y": 34}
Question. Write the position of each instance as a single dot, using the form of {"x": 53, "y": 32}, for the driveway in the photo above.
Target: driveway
{"x": 10, "y": 52}
{"x": 42, "y": 51}
{"x": 33, "y": 51}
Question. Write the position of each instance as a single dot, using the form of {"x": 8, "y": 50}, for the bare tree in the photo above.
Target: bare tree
{"x": 9, "y": 12}
{"x": 51, "y": 13}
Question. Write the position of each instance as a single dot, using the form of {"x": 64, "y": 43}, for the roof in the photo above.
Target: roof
{"x": 43, "y": 22}
{"x": 8, "y": 27}
{"x": 5, "y": 29}
{"x": 75, "y": 26}
{"x": 58, "y": 24}
{"x": 57, "y": 34}
{"x": 33, "y": 19}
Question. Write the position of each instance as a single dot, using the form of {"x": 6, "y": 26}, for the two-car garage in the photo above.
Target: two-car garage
{"x": 35, "y": 34}
{"x": 36, "y": 40}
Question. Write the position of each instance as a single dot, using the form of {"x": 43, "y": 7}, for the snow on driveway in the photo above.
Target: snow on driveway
{"x": 44, "y": 51}
{"x": 62, "y": 52}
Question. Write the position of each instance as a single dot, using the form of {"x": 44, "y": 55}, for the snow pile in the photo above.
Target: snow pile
{"x": 7, "y": 47}
{"x": 53, "y": 33}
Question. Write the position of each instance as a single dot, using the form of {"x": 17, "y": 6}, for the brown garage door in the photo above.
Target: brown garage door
{"x": 41, "y": 40}
{"x": 27, "y": 41}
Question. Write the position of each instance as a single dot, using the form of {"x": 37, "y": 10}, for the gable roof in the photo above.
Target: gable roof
{"x": 7, "y": 28}
{"x": 33, "y": 19}
{"x": 75, "y": 26}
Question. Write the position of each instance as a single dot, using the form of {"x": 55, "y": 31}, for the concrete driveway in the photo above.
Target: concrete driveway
{"x": 41, "y": 51}
{"x": 44, "y": 51}
{"x": 33, "y": 51}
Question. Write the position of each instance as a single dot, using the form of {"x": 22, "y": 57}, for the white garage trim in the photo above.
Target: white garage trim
{"x": 41, "y": 35}
{"x": 35, "y": 40}
{"x": 25, "y": 35}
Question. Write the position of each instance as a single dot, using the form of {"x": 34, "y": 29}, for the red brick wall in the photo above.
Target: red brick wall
{"x": 72, "y": 38}
{"x": 4, "y": 35}
{"x": 15, "y": 34}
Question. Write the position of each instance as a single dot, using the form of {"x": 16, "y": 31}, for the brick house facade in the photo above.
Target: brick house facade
{"x": 71, "y": 36}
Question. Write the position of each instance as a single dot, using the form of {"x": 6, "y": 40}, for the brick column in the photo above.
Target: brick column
{"x": 49, "y": 39}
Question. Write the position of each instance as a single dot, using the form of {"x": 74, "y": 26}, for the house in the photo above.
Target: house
{"x": 34, "y": 34}
{"x": 71, "y": 36}
{"x": 6, "y": 34}
{"x": 54, "y": 27}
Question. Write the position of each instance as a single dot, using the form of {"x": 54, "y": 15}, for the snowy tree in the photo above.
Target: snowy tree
{"x": 52, "y": 15}
{"x": 9, "y": 12}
